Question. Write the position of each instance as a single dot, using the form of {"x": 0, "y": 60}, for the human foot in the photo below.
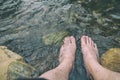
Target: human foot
{"x": 90, "y": 55}
{"x": 66, "y": 58}
{"x": 90, "y": 52}
{"x": 67, "y": 54}
{"x": 67, "y": 51}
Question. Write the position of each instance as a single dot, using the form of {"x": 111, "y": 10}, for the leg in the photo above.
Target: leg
{"x": 90, "y": 55}
{"x": 67, "y": 57}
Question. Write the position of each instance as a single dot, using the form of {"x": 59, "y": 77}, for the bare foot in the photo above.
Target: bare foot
{"x": 67, "y": 51}
{"x": 90, "y": 52}
{"x": 90, "y": 55}
{"x": 66, "y": 58}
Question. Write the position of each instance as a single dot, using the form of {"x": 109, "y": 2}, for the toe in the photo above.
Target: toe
{"x": 72, "y": 39}
{"x": 61, "y": 51}
{"x": 91, "y": 42}
{"x": 83, "y": 40}
{"x": 95, "y": 46}
{"x": 67, "y": 40}
{"x": 87, "y": 40}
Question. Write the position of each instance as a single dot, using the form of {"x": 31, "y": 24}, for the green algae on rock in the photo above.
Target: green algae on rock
{"x": 19, "y": 69}
{"x": 54, "y": 38}
{"x": 111, "y": 59}
{"x": 13, "y": 66}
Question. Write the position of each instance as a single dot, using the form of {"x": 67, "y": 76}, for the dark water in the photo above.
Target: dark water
{"x": 23, "y": 23}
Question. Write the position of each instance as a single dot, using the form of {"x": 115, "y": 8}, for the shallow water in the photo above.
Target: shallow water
{"x": 24, "y": 23}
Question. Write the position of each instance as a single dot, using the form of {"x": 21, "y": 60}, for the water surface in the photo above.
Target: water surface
{"x": 23, "y": 23}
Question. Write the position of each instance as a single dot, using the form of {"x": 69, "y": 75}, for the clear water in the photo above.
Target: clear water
{"x": 23, "y": 23}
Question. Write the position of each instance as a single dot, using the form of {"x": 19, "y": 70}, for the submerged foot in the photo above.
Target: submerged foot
{"x": 90, "y": 52}
{"x": 66, "y": 58}
{"x": 67, "y": 53}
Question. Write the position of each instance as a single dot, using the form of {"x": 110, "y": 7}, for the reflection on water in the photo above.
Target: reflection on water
{"x": 23, "y": 24}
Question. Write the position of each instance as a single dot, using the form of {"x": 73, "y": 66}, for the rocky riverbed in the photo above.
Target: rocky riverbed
{"x": 35, "y": 29}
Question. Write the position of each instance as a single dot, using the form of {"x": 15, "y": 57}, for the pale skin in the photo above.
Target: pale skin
{"x": 66, "y": 59}
{"x": 90, "y": 55}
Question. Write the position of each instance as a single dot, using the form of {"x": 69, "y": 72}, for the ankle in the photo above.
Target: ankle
{"x": 97, "y": 70}
{"x": 68, "y": 59}
{"x": 66, "y": 64}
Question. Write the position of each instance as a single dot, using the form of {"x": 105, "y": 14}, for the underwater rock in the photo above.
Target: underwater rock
{"x": 13, "y": 66}
{"x": 115, "y": 16}
{"x": 54, "y": 38}
{"x": 111, "y": 59}
{"x": 117, "y": 40}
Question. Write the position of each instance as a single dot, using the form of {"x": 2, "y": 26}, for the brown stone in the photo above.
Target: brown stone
{"x": 13, "y": 66}
{"x": 111, "y": 59}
